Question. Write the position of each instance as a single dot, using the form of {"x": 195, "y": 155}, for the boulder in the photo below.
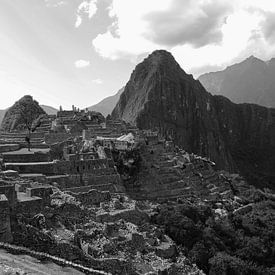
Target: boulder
{"x": 133, "y": 215}
{"x": 92, "y": 197}
{"x": 137, "y": 241}
{"x": 166, "y": 250}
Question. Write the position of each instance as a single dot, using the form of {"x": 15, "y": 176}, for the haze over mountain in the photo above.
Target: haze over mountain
{"x": 251, "y": 81}
{"x": 107, "y": 105}
{"x": 160, "y": 95}
{"x": 49, "y": 110}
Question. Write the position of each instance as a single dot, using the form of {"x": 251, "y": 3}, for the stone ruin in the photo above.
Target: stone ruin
{"x": 72, "y": 180}
{"x": 60, "y": 156}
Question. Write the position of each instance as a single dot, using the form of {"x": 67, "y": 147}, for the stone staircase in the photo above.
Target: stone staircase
{"x": 37, "y": 137}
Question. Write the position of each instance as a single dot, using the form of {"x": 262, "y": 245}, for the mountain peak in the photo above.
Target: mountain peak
{"x": 160, "y": 56}
{"x": 161, "y": 61}
{"x": 14, "y": 118}
{"x": 250, "y": 81}
{"x": 271, "y": 62}
{"x": 253, "y": 59}
{"x": 161, "y": 53}
{"x": 165, "y": 99}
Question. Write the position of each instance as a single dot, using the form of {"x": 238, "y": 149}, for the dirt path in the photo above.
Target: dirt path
{"x": 27, "y": 265}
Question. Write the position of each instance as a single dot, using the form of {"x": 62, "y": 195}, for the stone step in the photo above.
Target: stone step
{"x": 210, "y": 176}
{"x": 178, "y": 184}
{"x": 169, "y": 179}
{"x": 164, "y": 193}
{"x": 59, "y": 179}
{"x": 46, "y": 168}
{"x": 35, "y": 177}
{"x": 166, "y": 164}
{"x": 102, "y": 187}
{"x": 8, "y": 147}
{"x": 166, "y": 172}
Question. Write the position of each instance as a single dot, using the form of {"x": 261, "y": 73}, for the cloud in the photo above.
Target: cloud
{"x": 124, "y": 37}
{"x": 82, "y": 63}
{"x": 188, "y": 22}
{"x": 141, "y": 26}
{"x": 86, "y": 8}
{"x": 269, "y": 26}
{"x": 203, "y": 33}
{"x": 78, "y": 21}
{"x": 97, "y": 81}
{"x": 55, "y": 3}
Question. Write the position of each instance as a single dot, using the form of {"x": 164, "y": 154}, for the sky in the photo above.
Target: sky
{"x": 75, "y": 52}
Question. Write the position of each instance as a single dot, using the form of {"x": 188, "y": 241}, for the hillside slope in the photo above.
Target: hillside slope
{"x": 160, "y": 95}
{"x": 251, "y": 81}
{"x": 49, "y": 110}
{"x": 107, "y": 105}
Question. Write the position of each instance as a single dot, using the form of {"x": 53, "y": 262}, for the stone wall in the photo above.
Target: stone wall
{"x": 5, "y": 228}
{"x": 93, "y": 196}
{"x": 82, "y": 189}
{"x": 21, "y": 158}
{"x": 93, "y": 166}
{"x": 30, "y": 206}
{"x": 9, "y": 147}
{"x": 46, "y": 168}
{"x": 88, "y": 180}
{"x": 44, "y": 192}
{"x": 13, "y": 249}
{"x": 9, "y": 191}
{"x": 52, "y": 138}
{"x": 62, "y": 167}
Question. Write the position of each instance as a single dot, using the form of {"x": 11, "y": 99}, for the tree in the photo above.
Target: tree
{"x": 30, "y": 119}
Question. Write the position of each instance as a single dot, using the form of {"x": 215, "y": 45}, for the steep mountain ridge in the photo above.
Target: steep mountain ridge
{"x": 160, "y": 95}
{"x": 49, "y": 109}
{"x": 250, "y": 81}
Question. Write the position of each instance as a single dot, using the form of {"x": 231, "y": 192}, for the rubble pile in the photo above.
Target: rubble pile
{"x": 114, "y": 235}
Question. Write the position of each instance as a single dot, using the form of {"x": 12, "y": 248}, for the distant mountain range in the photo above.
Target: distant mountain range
{"x": 251, "y": 81}
{"x": 49, "y": 110}
{"x": 107, "y": 105}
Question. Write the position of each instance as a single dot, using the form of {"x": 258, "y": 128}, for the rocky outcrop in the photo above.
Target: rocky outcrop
{"x": 238, "y": 137}
{"x": 24, "y": 109}
{"x": 92, "y": 197}
{"x": 48, "y": 109}
{"x": 251, "y": 81}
